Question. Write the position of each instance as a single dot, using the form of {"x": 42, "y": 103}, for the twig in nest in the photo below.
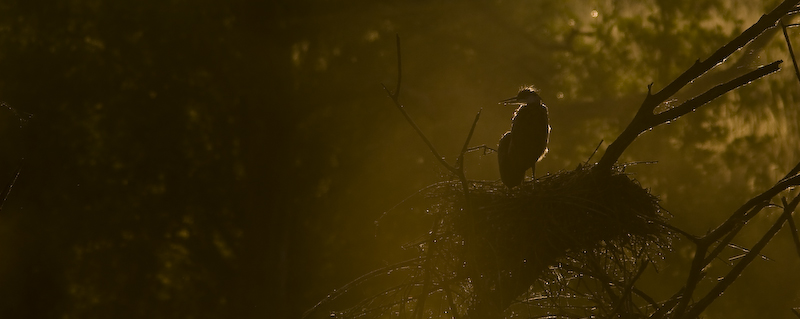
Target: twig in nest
{"x": 595, "y": 152}
{"x": 360, "y": 280}
{"x": 483, "y": 147}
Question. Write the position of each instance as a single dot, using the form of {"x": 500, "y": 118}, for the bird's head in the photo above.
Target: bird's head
{"x": 526, "y": 96}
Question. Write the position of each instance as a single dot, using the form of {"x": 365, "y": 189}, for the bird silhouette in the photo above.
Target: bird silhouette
{"x": 526, "y": 142}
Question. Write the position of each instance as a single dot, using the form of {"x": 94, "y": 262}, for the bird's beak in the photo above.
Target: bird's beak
{"x": 513, "y": 101}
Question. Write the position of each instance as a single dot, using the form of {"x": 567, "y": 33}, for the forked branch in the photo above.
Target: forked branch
{"x": 645, "y": 119}
{"x": 737, "y": 270}
{"x": 458, "y": 169}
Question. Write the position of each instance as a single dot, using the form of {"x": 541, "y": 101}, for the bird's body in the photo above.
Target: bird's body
{"x": 526, "y": 143}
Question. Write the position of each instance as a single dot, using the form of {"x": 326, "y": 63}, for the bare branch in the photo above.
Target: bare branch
{"x": 792, "y": 172}
{"x": 644, "y": 118}
{"x": 714, "y": 93}
{"x": 483, "y": 147}
{"x": 696, "y": 273}
{"x": 7, "y": 191}
{"x": 629, "y": 285}
{"x": 595, "y": 152}
{"x": 421, "y": 135}
{"x": 729, "y": 229}
{"x": 666, "y": 306}
{"x": 791, "y": 51}
{"x": 737, "y": 270}
{"x": 729, "y": 237}
{"x": 793, "y": 229}
{"x": 465, "y": 148}
{"x": 396, "y": 99}
{"x": 741, "y": 216}
{"x": 458, "y": 169}
{"x": 460, "y": 159}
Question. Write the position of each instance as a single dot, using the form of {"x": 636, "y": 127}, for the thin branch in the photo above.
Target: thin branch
{"x": 7, "y": 191}
{"x": 421, "y": 135}
{"x": 731, "y": 234}
{"x": 796, "y": 169}
{"x": 696, "y": 274}
{"x": 465, "y": 148}
{"x": 729, "y": 229}
{"x": 793, "y": 229}
{"x": 688, "y": 236}
{"x": 643, "y": 119}
{"x": 460, "y": 159}
{"x": 791, "y": 51}
{"x": 792, "y": 172}
{"x": 737, "y": 270}
{"x": 666, "y": 306}
{"x": 360, "y": 280}
{"x": 629, "y": 286}
{"x": 396, "y": 99}
{"x": 741, "y": 216}
{"x": 458, "y": 169}
{"x": 481, "y": 147}
{"x": 699, "y": 68}
{"x": 595, "y": 152}
{"x": 22, "y": 116}
{"x": 604, "y": 277}
{"x": 713, "y": 93}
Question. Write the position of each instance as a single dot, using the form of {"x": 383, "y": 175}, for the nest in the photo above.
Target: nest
{"x": 493, "y": 248}
{"x": 503, "y": 241}
{"x": 567, "y": 211}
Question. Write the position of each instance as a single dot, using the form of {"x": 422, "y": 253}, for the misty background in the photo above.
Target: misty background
{"x": 230, "y": 159}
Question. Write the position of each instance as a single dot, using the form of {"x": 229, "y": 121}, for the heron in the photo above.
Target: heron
{"x": 526, "y": 142}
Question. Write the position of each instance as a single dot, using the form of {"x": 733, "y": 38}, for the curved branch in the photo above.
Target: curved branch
{"x": 645, "y": 119}
{"x": 421, "y": 135}
{"x": 396, "y": 99}
{"x": 737, "y": 270}
{"x": 458, "y": 169}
